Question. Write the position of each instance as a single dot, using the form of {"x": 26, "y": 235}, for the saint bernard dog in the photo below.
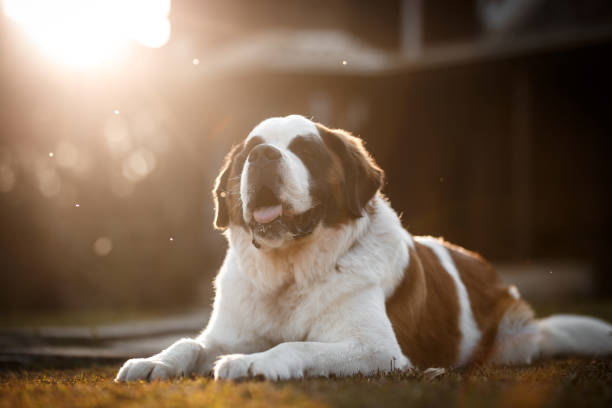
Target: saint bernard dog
{"x": 320, "y": 278}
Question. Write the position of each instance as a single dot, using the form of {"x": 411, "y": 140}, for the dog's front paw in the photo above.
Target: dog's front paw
{"x": 232, "y": 367}
{"x": 147, "y": 369}
{"x": 236, "y": 366}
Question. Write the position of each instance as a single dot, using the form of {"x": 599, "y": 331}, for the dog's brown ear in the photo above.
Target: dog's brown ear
{"x": 362, "y": 176}
{"x": 221, "y": 192}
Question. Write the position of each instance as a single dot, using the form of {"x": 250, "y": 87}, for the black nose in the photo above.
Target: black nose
{"x": 264, "y": 154}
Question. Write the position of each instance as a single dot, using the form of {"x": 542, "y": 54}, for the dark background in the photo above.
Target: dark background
{"x": 493, "y": 132}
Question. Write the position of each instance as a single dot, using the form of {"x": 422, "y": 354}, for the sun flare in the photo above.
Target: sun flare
{"x": 91, "y": 32}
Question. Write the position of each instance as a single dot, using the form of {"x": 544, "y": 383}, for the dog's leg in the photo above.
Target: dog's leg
{"x": 191, "y": 356}
{"x": 185, "y": 357}
{"x": 299, "y": 359}
{"x": 355, "y": 337}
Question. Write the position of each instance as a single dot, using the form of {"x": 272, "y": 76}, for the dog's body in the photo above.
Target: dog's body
{"x": 321, "y": 278}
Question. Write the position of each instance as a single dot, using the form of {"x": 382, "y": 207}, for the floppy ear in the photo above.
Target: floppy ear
{"x": 221, "y": 193}
{"x": 362, "y": 176}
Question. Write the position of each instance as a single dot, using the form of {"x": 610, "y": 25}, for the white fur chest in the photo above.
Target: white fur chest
{"x": 296, "y": 298}
{"x": 285, "y": 307}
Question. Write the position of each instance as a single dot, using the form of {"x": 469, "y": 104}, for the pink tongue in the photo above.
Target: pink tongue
{"x": 264, "y": 215}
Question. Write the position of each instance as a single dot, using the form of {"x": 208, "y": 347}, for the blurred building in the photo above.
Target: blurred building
{"x": 491, "y": 119}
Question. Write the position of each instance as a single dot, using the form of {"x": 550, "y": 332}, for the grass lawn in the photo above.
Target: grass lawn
{"x": 562, "y": 382}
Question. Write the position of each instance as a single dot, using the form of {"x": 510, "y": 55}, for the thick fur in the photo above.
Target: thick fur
{"x": 336, "y": 285}
{"x": 570, "y": 334}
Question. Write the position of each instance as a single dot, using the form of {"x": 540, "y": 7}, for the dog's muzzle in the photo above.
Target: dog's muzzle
{"x": 264, "y": 180}
{"x": 270, "y": 217}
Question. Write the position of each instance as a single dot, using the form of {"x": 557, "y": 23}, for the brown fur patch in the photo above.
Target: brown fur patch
{"x": 335, "y": 179}
{"x": 424, "y": 311}
{"x": 228, "y": 205}
{"x": 361, "y": 176}
{"x": 489, "y": 296}
{"x": 233, "y": 187}
{"x": 223, "y": 193}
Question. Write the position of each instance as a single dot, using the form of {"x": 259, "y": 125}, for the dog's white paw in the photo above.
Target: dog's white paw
{"x": 234, "y": 366}
{"x": 147, "y": 369}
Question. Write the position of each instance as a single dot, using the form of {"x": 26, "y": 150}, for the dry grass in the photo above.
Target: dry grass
{"x": 558, "y": 383}
{"x": 563, "y": 382}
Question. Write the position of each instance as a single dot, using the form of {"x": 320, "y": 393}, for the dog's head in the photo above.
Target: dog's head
{"x": 291, "y": 175}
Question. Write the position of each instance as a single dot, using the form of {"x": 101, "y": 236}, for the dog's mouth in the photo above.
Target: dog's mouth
{"x": 271, "y": 218}
{"x": 267, "y": 206}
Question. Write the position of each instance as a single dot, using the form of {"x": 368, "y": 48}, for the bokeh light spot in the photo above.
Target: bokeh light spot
{"x": 117, "y": 136}
{"x": 49, "y": 182}
{"x": 7, "y": 175}
{"x": 7, "y": 179}
{"x": 103, "y": 246}
{"x": 139, "y": 165}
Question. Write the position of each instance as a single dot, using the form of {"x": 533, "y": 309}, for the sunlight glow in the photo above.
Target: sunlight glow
{"x": 91, "y": 32}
